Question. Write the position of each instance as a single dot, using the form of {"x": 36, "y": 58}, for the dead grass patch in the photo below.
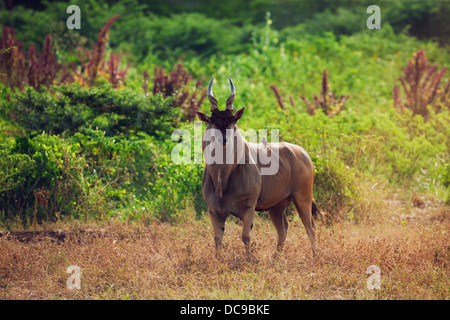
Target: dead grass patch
{"x": 163, "y": 261}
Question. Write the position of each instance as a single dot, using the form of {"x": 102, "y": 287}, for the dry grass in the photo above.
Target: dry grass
{"x": 409, "y": 243}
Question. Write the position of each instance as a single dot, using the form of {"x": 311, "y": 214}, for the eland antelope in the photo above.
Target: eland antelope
{"x": 239, "y": 188}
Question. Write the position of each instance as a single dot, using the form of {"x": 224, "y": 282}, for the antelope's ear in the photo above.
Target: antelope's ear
{"x": 203, "y": 117}
{"x": 239, "y": 114}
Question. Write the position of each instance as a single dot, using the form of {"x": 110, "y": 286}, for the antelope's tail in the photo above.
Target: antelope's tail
{"x": 315, "y": 210}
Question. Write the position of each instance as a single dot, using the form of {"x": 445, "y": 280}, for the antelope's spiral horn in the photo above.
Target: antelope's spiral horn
{"x": 211, "y": 98}
{"x": 230, "y": 99}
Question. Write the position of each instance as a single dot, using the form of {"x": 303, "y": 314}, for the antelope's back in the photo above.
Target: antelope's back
{"x": 295, "y": 172}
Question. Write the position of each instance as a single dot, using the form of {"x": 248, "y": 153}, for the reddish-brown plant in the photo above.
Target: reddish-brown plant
{"x": 175, "y": 84}
{"x": 18, "y": 69}
{"x": 12, "y": 61}
{"x": 115, "y": 74}
{"x": 44, "y": 71}
{"x": 94, "y": 63}
{"x": 328, "y": 102}
{"x": 276, "y": 91}
{"x": 422, "y": 86}
{"x": 145, "y": 82}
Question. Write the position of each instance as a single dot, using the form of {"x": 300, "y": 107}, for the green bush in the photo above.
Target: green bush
{"x": 335, "y": 185}
{"x": 184, "y": 35}
{"x": 416, "y": 151}
{"x": 91, "y": 175}
{"x": 177, "y": 187}
{"x": 14, "y": 169}
{"x": 70, "y": 108}
{"x": 127, "y": 162}
{"x": 43, "y": 163}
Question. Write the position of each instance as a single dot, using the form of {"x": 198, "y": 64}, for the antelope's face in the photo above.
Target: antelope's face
{"x": 223, "y": 122}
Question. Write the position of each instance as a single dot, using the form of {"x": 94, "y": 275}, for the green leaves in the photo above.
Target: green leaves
{"x": 71, "y": 108}
{"x": 14, "y": 168}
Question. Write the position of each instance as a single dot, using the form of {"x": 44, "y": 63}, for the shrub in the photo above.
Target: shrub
{"x": 91, "y": 175}
{"x": 334, "y": 186}
{"x": 71, "y": 108}
{"x": 416, "y": 149}
{"x": 176, "y": 187}
{"x": 87, "y": 175}
{"x": 421, "y": 83}
{"x": 13, "y": 169}
{"x": 192, "y": 35}
{"x": 41, "y": 163}
{"x": 93, "y": 61}
{"x": 175, "y": 85}
{"x": 276, "y": 91}
{"x": 128, "y": 162}
{"x": 19, "y": 69}
{"x": 327, "y": 101}
{"x": 341, "y": 21}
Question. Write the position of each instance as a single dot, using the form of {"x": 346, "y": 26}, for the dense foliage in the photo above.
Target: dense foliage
{"x": 71, "y": 108}
{"x": 88, "y": 142}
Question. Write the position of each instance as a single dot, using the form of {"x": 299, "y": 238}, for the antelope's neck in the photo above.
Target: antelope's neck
{"x": 220, "y": 173}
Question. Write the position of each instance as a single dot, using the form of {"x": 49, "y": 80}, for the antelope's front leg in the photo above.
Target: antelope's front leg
{"x": 218, "y": 223}
{"x": 247, "y": 220}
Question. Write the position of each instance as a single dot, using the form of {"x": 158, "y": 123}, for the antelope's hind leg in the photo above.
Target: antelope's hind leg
{"x": 247, "y": 226}
{"x": 278, "y": 217}
{"x": 304, "y": 210}
{"x": 218, "y": 223}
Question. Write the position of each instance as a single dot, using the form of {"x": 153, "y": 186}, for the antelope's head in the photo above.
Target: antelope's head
{"x": 221, "y": 120}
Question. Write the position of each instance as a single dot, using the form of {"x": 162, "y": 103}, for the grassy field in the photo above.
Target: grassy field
{"x": 407, "y": 238}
